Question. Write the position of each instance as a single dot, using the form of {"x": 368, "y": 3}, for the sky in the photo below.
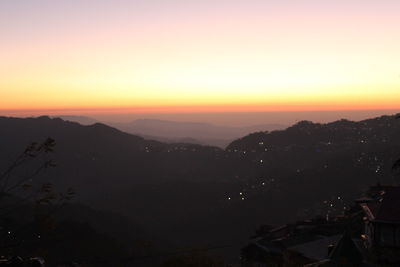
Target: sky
{"x": 176, "y": 56}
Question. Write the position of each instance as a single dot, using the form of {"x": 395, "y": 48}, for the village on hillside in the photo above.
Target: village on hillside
{"x": 368, "y": 234}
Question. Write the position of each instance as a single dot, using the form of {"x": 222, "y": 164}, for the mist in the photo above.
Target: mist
{"x": 240, "y": 119}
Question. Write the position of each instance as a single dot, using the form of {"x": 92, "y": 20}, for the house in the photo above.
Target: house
{"x": 309, "y": 252}
{"x": 347, "y": 252}
{"x": 295, "y": 244}
{"x": 382, "y": 217}
{"x": 382, "y": 224}
{"x": 368, "y": 235}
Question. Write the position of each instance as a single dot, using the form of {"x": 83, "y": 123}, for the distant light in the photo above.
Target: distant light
{"x": 229, "y": 198}
{"x": 240, "y": 193}
{"x": 242, "y": 198}
{"x": 261, "y": 161}
{"x": 378, "y": 169}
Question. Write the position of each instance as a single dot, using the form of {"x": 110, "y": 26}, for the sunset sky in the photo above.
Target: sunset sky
{"x": 190, "y": 56}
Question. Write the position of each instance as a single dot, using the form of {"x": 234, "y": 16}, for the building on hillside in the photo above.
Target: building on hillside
{"x": 382, "y": 218}
{"x": 382, "y": 224}
{"x": 347, "y": 252}
{"x": 294, "y": 244}
{"x": 375, "y": 238}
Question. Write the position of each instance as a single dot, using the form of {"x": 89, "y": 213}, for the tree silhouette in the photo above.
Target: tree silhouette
{"x": 9, "y": 182}
{"x": 22, "y": 194}
{"x": 13, "y": 183}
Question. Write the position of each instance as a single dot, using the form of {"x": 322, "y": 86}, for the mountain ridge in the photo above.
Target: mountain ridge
{"x": 179, "y": 132}
{"x": 182, "y": 191}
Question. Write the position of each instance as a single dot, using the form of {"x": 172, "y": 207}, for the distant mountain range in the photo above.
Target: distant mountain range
{"x": 194, "y": 194}
{"x": 181, "y": 132}
{"x": 79, "y": 119}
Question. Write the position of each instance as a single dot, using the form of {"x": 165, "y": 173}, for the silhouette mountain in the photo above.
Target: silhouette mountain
{"x": 193, "y": 194}
{"x": 79, "y": 119}
{"x": 179, "y": 132}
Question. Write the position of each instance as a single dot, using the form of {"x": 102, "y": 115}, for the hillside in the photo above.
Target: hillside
{"x": 154, "y": 183}
{"x": 311, "y": 160}
{"x": 200, "y": 195}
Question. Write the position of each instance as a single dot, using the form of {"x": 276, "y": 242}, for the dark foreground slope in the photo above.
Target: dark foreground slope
{"x": 166, "y": 188}
{"x": 205, "y": 196}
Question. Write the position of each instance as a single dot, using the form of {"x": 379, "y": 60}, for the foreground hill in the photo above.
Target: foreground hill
{"x": 99, "y": 151}
{"x": 156, "y": 184}
{"x": 206, "y": 196}
{"x": 74, "y": 233}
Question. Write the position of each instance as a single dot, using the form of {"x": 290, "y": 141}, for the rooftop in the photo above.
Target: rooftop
{"x": 385, "y": 207}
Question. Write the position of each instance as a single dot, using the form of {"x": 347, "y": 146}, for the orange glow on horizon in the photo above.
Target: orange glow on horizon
{"x": 194, "y": 109}
{"x": 199, "y": 56}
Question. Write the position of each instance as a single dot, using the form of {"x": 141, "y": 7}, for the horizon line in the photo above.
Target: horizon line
{"x": 191, "y": 109}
